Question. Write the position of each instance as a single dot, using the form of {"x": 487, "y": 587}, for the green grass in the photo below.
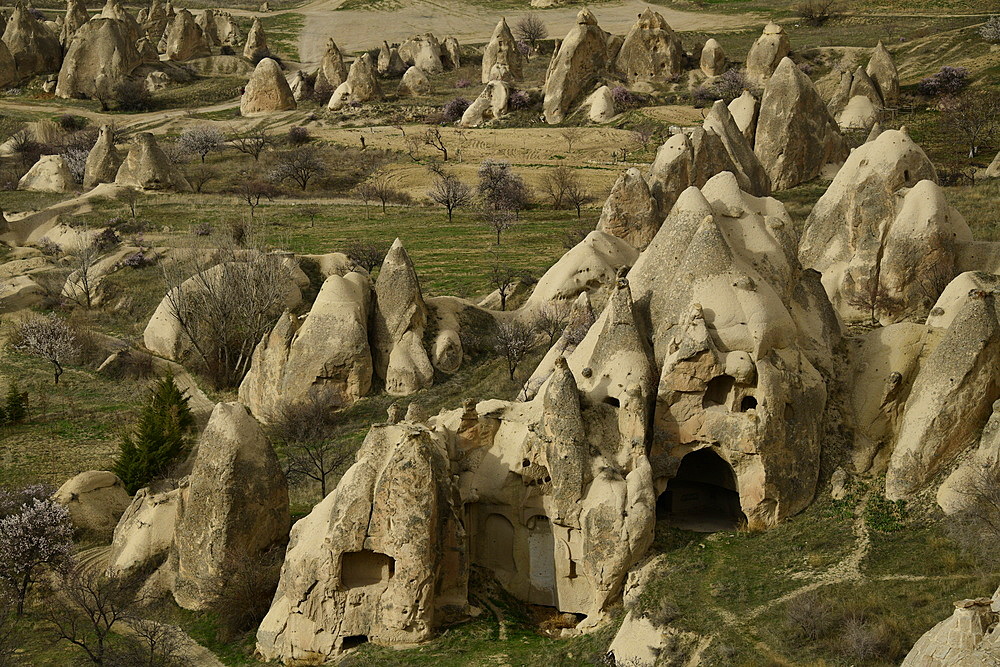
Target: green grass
{"x": 202, "y": 92}
{"x": 282, "y": 33}
{"x": 19, "y": 201}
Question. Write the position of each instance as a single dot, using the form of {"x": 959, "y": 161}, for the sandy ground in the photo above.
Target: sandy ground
{"x": 355, "y": 30}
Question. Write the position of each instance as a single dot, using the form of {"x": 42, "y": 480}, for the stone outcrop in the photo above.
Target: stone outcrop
{"x": 233, "y": 517}
{"x": 325, "y": 356}
{"x": 967, "y": 638}
{"x": 267, "y": 91}
{"x": 146, "y": 167}
{"x": 882, "y": 235}
{"x": 749, "y": 171}
{"x": 630, "y": 212}
{"x": 962, "y": 490}
{"x": 301, "y": 87}
{"x": 331, "y": 72}
{"x": 185, "y": 39}
{"x": 652, "y": 51}
{"x": 114, "y": 9}
{"x": 451, "y": 54}
{"x": 602, "y": 105}
{"x": 76, "y": 15}
{"x": 491, "y": 104}
{"x": 414, "y": 82}
{"x": 882, "y": 70}
{"x": 745, "y": 110}
{"x": 423, "y": 51}
{"x": 49, "y": 174}
{"x": 101, "y": 54}
{"x": 713, "y": 59}
{"x": 796, "y": 135}
{"x": 389, "y": 63}
{"x": 581, "y": 57}
{"x": 502, "y": 51}
{"x": 592, "y": 265}
{"x": 256, "y": 47}
{"x": 96, "y": 500}
{"x": 767, "y": 52}
{"x": 35, "y": 49}
{"x": 361, "y": 85}
{"x": 209, "y": 29}
{"x": 145, "y": 531}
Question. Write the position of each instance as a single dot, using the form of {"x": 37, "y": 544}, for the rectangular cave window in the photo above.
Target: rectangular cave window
{"x": 353, "y": 641}
{"x": 572, "y": 570}
{"x": 364, "y": 568}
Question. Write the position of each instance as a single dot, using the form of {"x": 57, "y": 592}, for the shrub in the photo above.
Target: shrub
{"x": 453, "y": 110}
{"x": 71, "y": 123}
{"x": 76, "y": 162}
{"x": 626, "y": 99}
{"x": 48, "y": 247}
{"x": 203, "y": 228}
{"x": 816, "y": 12}
{"x": 463, "y": 83}
{"x": 948, "y": 81}
{"x": 519, "y": 99}
{"x": 131, "y": 95}
{"x": 991, "y": 30}
{"x": 298, "y": 135}
{"x": 136, "y": 260}
{"x": 160, "y": 438}
{"x": 106, "y": 240}
{"x": 15, "y": 409}
{"x": 809, "y": 616}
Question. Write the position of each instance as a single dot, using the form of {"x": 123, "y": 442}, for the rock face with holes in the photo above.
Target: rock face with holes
{"x": 267, "y": 91}
{"x": 502, "y": 51}
{"x": 581, "y": 57}
{"x": 361, "y": 85}
{"x": 882, "y": 235}
{"x": 324, "y": 356}
{"x": 34, "y": 48}
{"x": 96, "y": 500}
{"x": 233, "y": 517}
{"x": 100, "y": 54}
{"x": 767, "y": 52}
{"x": 796, "y": 135}
{"x": 146, "y": 167}
{"x": 652, "y": 51}
{"x": 381, "y": 558}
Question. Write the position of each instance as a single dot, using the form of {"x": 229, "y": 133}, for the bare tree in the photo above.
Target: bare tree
{"x": 382, "y": 186}
{"x": 434, "y": 139}
{"x": 976, "y": 525}
{"x": 502, "y": 278}
{"x": 201, "y": 140}
{"x": 552, "y": 321}
{"x": 311, "y": 211}
{"x": 531, "y": 29}
{"x": 48, "y": 337}
{"x": 252, "y": 189}
{"x": 130, "y": 197}
{"x": 157, "y": 644}
{"x": 300, "y": 166}
{"x": 305, "y": 435}
{"x": 570, "y": 135}
{"x": 450, "y": 192}
{"x": 816, "y": 12}
{"x": 80, "y": 284}
{"x": 513, "y": 341}
{"x": 498, "y": 220}
{"x": 86, "y": 609}
{"x": 577, "y": 195}
{"x": 974, "y": 117}
{"x": 251, "y": 141}
{"x": 555, "y": 182}
{"x": 200, "y": 174}
{"x": 500, "y": 188}
{"x": 368, "y": 254}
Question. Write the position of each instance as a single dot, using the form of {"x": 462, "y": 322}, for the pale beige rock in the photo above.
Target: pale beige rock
{"x": 502, "y": 50}
{"x": 49, "y": 174}
{"x": 331, "y": 72}
{"x": 858, "y": 114}
{"x": 147, "y": 52}
{"x": 882, "y": 70}
{"x": 451, "y": 54}
{"x": 267, "y": 91}
{"x": 96, "y": 500}
{"x": 209, "y": 28}
{"x": 992, "y": 171}
{"x": 652, "y": 51}
{"x": 671, "y": 171}
{"x": 76, "y": 15}
{"x": 227, "y": 30}
{"x": 578, "y": 323}
{"x": 233, "y": 513}
{"x": 796, "y": 136}
{"x": 590, "y": 266}
{"x": 491, "y": 104}
{"x": 324, "y": 356}
{"x": 767, "y": 52}
{"x": 256, "y": 47}
{"x": 967, "y": 638}
{"x": 145, "y": 531}
{"x": 18, "y": 293}
{"x": 100, "y": 50}
{"x": 962, "y": 490}
{"x": 389, "y": 63}
{"x": 35, "y": 49}
{"x": 114, "y": 9}
{"x": 146, "y": 167}
{"x": 156, "y": 22}
{"x": 602, "y": 105}
{"x": 423, "y": 51}
{"x": 185, "y": 39}
{"x": 581, "y": 57}
{"x": 630, "y": 212}
{"x": 300, "y": 87}
{"x": 958, "y": 291}
{"x": 744, "y": 110}
{"x": 751, "y": 173}
{"x": 713, "y": 58}
{"x": 361, "y": 85}
{"x": 414, "y": 82}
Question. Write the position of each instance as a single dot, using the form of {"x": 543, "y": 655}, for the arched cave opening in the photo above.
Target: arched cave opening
{"x": 703, "y": 496}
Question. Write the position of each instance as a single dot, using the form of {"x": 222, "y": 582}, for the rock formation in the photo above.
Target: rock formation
{"x": 630, "y": 212}
{"x": 502, "y": 50}
{"x": 114, "y": 9}
{"x": 882, "y": 70}
{"x": 256, "y": 47}
{"x": 713, "y": 59}
{"x": 233, "y": 517}
{"x": 751, "y": 173}
{"x": 267, "y": 91}
{"x": 301, "y": 87}
{"x": 325, "y": 356}
{"x": 35, "y": 49}
{"x": 146, "y": 167}
{"x": 331, "y": 72}
{"x": 652, "y": 51}
{"x": 76, "y": 15}
{"x": 185, "y": 39}
{"x": 592, "y": 265}
{"x": 796, "y": 135}
{"x": 451, "y": 54}
{"x": 209, "y": 29}
{"x": 361, "y": 85}
{"x": 145, "y": 532}
{"x": 100, "y": 51}
{"x": 580, "y": 58}
{"x": 49, "y": 174}
{"x": 414, "y": 82}
{"x": 423, "y": 51}
{"x": 491, "y": 104}
{"x": 767, "y": 52}
{"x": 8, "y": 68}
{"x": 96, "y": 500}
{"x": 744, "y": 110}
{"x": 967, "y": 638}
{"x": 602, "y": 105}
{"x": 389, "y": 63}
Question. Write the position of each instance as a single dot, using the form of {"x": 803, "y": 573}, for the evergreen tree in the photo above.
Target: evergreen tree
{"x": 15, "y": 409}
{"x": 160, "y": 438}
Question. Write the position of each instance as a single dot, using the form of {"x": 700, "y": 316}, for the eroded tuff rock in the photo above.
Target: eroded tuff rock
{"x": 750, "y": 172}
{"x": 590, "y": 266}
{"x": 796, "y": 135}
{"x": 49, "y": 174}
{"x": 767, "y": 52}
{"x": 652, "y": 51}
{"x": 713, "y": 58}
{"x": 76, "y": 15}
{"x": 967, "y": 638}
{"x": 451, "y": 54}
{"x": 361, "y": 85}
{"x": 882, "y": 234}
{"x": 256, "y": 47}
{"x": 423, "y": 51}
{"x": 145, "y": 531}
{"x": 325, "y": 356}
{"x": 96, "y": 500}
{"x": 882, "y": 70}
{"x": 100, "y": 55}
{"x": 574, "y": 67}
{"x": 491, "y": 104}
{"x": 114, "y": 9}
{"x": 267, "y": 91}
{"x": 331, "y": 72}
{"x": 300, "y": 86}
{"x": 8, "y": 68}
{"x": 414, "y": 82}
{"x": 233, "y": 517}
{"x": 35, "y": 49}
{"x": 147, "y": 167}
{"x": 601, "y": 105}
{"x": 185, "y": 39}
{"x": 389, "y": 63}
{"x": 630, "y": 212}
{"x": 502, "y": 51}
{"x": 745, "y": 110}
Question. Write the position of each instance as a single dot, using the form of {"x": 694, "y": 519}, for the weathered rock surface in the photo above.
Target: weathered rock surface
{"x": 100, "y": 54}
{"x": 185, "y": 39}
{"x": 147, "y": 167}
{"x": 713, "y": 58}
{"x": 361, "y": 85}
{"x": 8, "y": 68}
{"x": 967, "y": 638}
{"x": 451, "y": 54}
{"x": 76, "y": 15}
{"x": 114, "y": 9}
{"x": 602, "y": 105}
{"x": 502, "y": 50}
{"x": 882, "y": 70}
{"x": 591, "y": 265}
{"x": 267, "y": 91}
{"x": 331, "y": 72}
{"x": 630, "y": 212}
{"x": 389, "y": 63}
{"x": 49, "y": 174}
{"x": 256, "y": 47}
{"x": 35, "y": 49}
{"x": 96, "y": 500}
{"x": 767, "y": 52}
{"x": 652, "y": 51}
{"x": 491, "y": 104}
{"x": 145, "y": 531}
{"x": 751, "y": 173}
{"x": 745, "y": 110}
{"x": 414, "y": 82}
{"x": 301, "y": 87}
{"x": 574, "y": 67}
{"x": 423, "y": 51}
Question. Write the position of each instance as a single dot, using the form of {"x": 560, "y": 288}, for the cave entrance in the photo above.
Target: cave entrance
{"x": 702, "y": 497}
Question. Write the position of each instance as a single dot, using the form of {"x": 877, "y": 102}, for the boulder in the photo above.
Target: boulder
{"x": 602, "y": 105}
{"x": 256, "y": 47}
{"x": 581, "y": 57}
{"x": 35, "y": 49}
{"x": 630, "y": 212}
{"x": 414, "y": 83}
{"x": 185, "y": 39}
{"x": 233, "y": 520}
{"x": 652, "y": 51}
{"x": 49, "y": 174}
{"x": 451, "y": 54}
{"x": 145, "y": 531}
{"x": 713, "y": 58}
{"x": 325, "y": 356}
{"x": 967, "y": 638}
{"x": 502, "y": 50}
{"x": 267, "y": 91}
{"x": 101, "y": 50}
{"x": 361, "y": 85}
{"x": 859, "y": 114}
{"x": 423, "y": 51}
{"x": 300, "y": 87}
{"x": 767, "y": 53}
{"x": 96, "y": 500}
{"x": 331, "y": 72}
{"x": 146, "y": 167}
{"x": 389, "y": 63}
{"x": 882, "y": 70}
{"x": 76, "y": 15}
{"x": 491, "y": 104}
{"x": 796, "y": 135}
{"x": 991, "y": 171}
{"x": 744, "y": 110}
